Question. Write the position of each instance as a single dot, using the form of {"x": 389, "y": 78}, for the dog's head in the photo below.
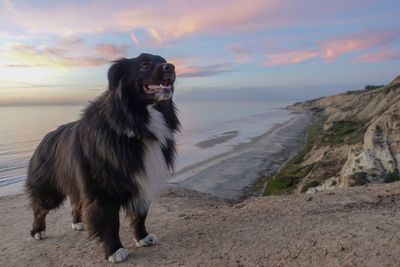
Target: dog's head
{"x": 146, "y": 78}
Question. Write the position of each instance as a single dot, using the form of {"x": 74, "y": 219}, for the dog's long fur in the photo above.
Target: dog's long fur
{"x": 117, "y": 155}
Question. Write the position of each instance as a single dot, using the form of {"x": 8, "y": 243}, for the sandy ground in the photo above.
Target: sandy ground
{"x": 347, "y": 227}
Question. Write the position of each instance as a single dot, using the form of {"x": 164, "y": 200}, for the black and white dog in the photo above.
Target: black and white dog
{"x": 118, "y": 154}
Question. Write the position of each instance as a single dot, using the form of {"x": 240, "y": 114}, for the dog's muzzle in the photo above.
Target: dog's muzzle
{"x": 161, "y": 92}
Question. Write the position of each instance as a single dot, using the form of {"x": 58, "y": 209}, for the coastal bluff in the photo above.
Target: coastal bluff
{"x": 355, "y": 226}
{"x": 357, "y": 140}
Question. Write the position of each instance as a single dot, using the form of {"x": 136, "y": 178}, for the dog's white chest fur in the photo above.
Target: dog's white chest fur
{"x": 156, "y": 171}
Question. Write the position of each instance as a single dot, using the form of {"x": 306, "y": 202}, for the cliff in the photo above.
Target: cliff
{"x": 356, "y": 140}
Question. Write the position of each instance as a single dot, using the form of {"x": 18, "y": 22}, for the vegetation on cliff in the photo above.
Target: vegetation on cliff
{"x": 355, "y": 140}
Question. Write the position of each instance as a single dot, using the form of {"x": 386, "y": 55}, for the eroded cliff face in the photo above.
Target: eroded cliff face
{"x": 359, "y": 141}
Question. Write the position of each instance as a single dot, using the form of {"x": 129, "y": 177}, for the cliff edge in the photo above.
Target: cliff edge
{"x": 344, "y": 227}
{"x": 358, "y": 139}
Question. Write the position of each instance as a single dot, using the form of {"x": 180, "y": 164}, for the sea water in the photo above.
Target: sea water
{"x": 208, "y": 129}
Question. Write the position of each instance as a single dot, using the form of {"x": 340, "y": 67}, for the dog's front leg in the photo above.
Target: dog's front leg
{"x": 138, "y": 225}
{"x": 102, "y": 220}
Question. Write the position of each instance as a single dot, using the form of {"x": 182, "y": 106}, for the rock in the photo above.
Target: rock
{"x": 369, "y": 148}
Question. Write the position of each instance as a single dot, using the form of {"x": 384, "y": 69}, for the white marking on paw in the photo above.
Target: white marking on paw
{"x": 40, "y": 235}
{"x": 149, "y": 240}
{"x": 78, "y": 226}
{"x": 119, "y": 256}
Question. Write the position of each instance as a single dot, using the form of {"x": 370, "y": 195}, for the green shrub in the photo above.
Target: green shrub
{"x": 341, "y": 131}
{"x": 280, "y": 185}
{"x": 392, "y": 177}
{"x": 359, "y": 178}
{"x": 372, "y": 87}
{"x": 310, "y": 185}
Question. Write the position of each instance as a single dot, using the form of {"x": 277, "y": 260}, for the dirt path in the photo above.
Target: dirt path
{"x": 348, "y": 227}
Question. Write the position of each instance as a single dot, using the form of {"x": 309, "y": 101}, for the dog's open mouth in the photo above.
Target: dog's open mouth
{"x": 165, "y": 85}
{"x": 154, "y": 88}
{"x": 159, "y": 92}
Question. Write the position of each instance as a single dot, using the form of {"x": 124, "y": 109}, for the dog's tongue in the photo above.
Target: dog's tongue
{"x": 155, "y": 88}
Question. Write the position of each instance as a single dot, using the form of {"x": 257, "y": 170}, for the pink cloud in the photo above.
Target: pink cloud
{"x": 203, "y": 71}
{"x": 289, "y": 58}
{"x": 380, "y": 56}
{"x": 331, "y": 50}
{"x": 23, "y": 55}
{"x": 111, "y": 51}
{"x": 172, "y": 21}
{"x": 134, "y": 39}
{"x": 189, "y": 67}
{"x": 242, "y": 53}
{"x": 7, "y": 4}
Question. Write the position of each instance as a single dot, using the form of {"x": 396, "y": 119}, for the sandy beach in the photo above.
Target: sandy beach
{"x": 229, "y": 175}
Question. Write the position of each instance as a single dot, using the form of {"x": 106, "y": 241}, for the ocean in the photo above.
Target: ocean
{"x": 209, "y": 129}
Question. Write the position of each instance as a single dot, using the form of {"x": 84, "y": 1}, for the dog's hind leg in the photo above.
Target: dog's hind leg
{"x": 41, "y": 206}
{"x": 39, "y": 223}
{"x": 102, "y": 221}
{"x": 76, "y": 213}
{"x": 138, "y": 225}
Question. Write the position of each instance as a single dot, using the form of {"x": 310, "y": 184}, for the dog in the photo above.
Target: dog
{"x": 117, "y": 155}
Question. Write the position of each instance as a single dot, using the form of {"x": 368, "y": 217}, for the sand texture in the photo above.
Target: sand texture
{"x": 344, "y": 227}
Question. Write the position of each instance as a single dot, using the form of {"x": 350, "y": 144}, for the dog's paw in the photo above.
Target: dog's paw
{"x": 149, "y": 240}
{"x": 78, "y": 226}
{"x": 40, "y": 235}
{"x": 119, "y": 256}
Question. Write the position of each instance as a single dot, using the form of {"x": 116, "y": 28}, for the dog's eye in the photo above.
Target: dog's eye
{"x": 145, "y": 66}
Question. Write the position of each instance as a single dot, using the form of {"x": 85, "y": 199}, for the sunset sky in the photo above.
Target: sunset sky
{"x": 59, "y": 51}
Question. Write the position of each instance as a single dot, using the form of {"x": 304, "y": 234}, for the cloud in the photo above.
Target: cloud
{"x": 14, "y": 36}
{"x": 333, "y": 49}
{"x": 191, "y": 67}
{"x": 24, "y": 65}
{"x": 70, "y": 41}
{"x": 134, "y": 39}
{"x": 7, "y": 4}
{"x": 242, "y": 53}
{"x": 380, "y": 56}
{"x": 289, "y": 58}
{"x": 203, "y": 71}
{"x": 23, "y": 55}
{"x": 111, "y": 51}
{"x": 166, "y": 22}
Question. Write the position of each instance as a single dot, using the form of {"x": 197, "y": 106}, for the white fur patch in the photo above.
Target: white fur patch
{"x": 149, "y": 240}
{"x": 39, "y": 236}
{"x": 119, "y": 256}
{"x": 158, "y": 126}
{"x": 156, "y": 171}
{"x": 78, "y": 226}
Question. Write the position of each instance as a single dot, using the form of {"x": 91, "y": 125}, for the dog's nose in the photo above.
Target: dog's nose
{"x": 168, "y": 67}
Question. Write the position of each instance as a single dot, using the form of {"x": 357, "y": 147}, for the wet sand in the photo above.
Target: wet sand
{"x": 229, "y": 175}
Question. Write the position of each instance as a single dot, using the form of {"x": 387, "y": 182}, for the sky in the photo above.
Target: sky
{"x": 58, "y": 52}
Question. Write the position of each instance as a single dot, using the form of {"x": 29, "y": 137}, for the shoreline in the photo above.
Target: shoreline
{"x": 229, "y": 175}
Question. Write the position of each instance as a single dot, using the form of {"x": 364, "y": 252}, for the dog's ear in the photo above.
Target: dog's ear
{"x": 116, "y": 72}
